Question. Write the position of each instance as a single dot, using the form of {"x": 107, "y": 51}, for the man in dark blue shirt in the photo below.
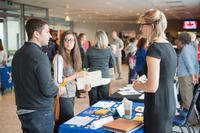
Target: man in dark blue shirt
{"x": 34, "y": 87}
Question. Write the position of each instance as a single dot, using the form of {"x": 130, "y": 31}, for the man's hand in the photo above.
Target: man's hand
{"x": 195, "y": 79}
{"x": 61, "y": 90}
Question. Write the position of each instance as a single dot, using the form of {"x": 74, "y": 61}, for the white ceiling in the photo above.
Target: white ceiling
{"x": 116, "y": 10}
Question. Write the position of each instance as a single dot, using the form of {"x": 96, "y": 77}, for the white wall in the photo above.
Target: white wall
{"x": 90, "y": 28}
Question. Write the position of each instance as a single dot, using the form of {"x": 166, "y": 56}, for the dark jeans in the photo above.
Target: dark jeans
{"x": 78, "y": 93}
{"x": 37, "y": 122}
{"x": 98, "y": 93}
{"x": 66, "y": 111}
{"x": 132, "y": 75}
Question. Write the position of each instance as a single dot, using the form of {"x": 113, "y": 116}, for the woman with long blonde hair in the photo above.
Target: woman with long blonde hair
{"x": 159, "y": 89}
{"x": 100, "y": 57}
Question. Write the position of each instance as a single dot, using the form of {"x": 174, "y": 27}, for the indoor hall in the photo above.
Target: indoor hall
{"x": 10, "y": 123}
{"x": 87, "y": 17}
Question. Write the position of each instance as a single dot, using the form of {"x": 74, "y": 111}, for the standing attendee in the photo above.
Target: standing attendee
{"x": 131, "y": 48}
{"x": 159, "y": 89}
{"x": 31, "y": 75}
{"x": 130, "y": 51}
{"x": 3, "y": 55}
{"x": 140, "y": 55}
{"x": 100, "y": 57}
{"x": 50, "y": 49}
{"x": 81, "y": 41}
{"x": 67, "y": 65}
{"x": 187, "y": 71}
{"x": 3, "y": 60}
{"x": 118, "y": 55}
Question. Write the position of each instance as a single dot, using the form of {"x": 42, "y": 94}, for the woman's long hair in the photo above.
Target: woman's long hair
{"x": 72, "y": 58}
{"x": 1, "y": 45}
{"x": 141, "y": 43}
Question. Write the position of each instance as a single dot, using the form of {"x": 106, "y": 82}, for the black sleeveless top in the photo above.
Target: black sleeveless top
{"x": 160, "y": 106}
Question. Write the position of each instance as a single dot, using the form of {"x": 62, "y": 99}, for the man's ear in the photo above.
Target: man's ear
{"x": 36, "y": 34}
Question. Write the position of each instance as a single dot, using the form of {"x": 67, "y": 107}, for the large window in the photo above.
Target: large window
{"x": 31, "y": 11}
{"x": 13, "y": 32}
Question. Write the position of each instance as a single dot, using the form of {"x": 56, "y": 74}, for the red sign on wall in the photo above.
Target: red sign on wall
{"x": 190, "y": 25}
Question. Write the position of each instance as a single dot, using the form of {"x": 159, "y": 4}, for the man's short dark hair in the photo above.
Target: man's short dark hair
{"x": 184, "y": 38}
{"x": 34, "y": 25}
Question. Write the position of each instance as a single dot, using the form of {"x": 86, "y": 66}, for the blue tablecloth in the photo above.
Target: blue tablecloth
{"x": 65, "y": 128}
{"x": 6, "y": 79}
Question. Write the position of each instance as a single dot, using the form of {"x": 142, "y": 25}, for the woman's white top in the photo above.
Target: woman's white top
{"x": 3, "y": 57}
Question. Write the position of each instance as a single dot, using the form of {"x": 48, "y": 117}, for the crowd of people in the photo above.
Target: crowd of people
{"x": 39, "y": 70}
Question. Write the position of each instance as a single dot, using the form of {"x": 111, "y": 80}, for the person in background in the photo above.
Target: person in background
{"x": 3, "y": 55}
{"x": 34, "y": 87}
{"x": 187, "y": 72}
{"x": 3, "y": 60}
{"x": 82, "y": 38}
{"x": 140, "y": 55}
{"x": 118, "y": 56}
{"x": 131, "y": 47}
{"x": 198, "y": 56}
{"x": 130, "y": 51}
{"x": 50, "y": 50}
{"x": 111, "y": 70}
{"x": 159, "y": 100}
{"x": 67, "y": 67}
{"x": 81, "y": 41}
{"x": 100, "y": 57}
{"x": 194, "y": 40}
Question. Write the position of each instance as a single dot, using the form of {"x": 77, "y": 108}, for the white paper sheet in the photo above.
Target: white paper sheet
{"x": 103, "y": 104}
{"x": 94, "y": 79}
{"x": 141, "y": 97}
{"x": 120, "y": 110}
{"x": 129, "y": 92}
{"x": 79, "y": 120}
{"x": 142, "y": 79}
{"x": 99, "y": 123}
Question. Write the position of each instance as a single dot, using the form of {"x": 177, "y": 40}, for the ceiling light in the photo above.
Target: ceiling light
{"x": 67, "y": 18}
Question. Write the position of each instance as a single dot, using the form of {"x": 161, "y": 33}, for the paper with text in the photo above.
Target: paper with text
{"x": 79, "y": 120}
{"x": 93, "y": 78}
{"x": 103, "y": 104}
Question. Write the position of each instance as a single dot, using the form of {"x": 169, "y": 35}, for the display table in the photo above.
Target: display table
{"x": 118, "y": 97}
{"x": 89, "y": 113}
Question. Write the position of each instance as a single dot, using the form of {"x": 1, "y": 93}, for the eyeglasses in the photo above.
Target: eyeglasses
{"x": 69, "y": 40}
{"x": 142, "y": 24}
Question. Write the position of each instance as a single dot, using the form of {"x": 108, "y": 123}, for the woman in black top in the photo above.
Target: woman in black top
{"x": 100, "y": 57}
{"x": 160, "y": 70}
